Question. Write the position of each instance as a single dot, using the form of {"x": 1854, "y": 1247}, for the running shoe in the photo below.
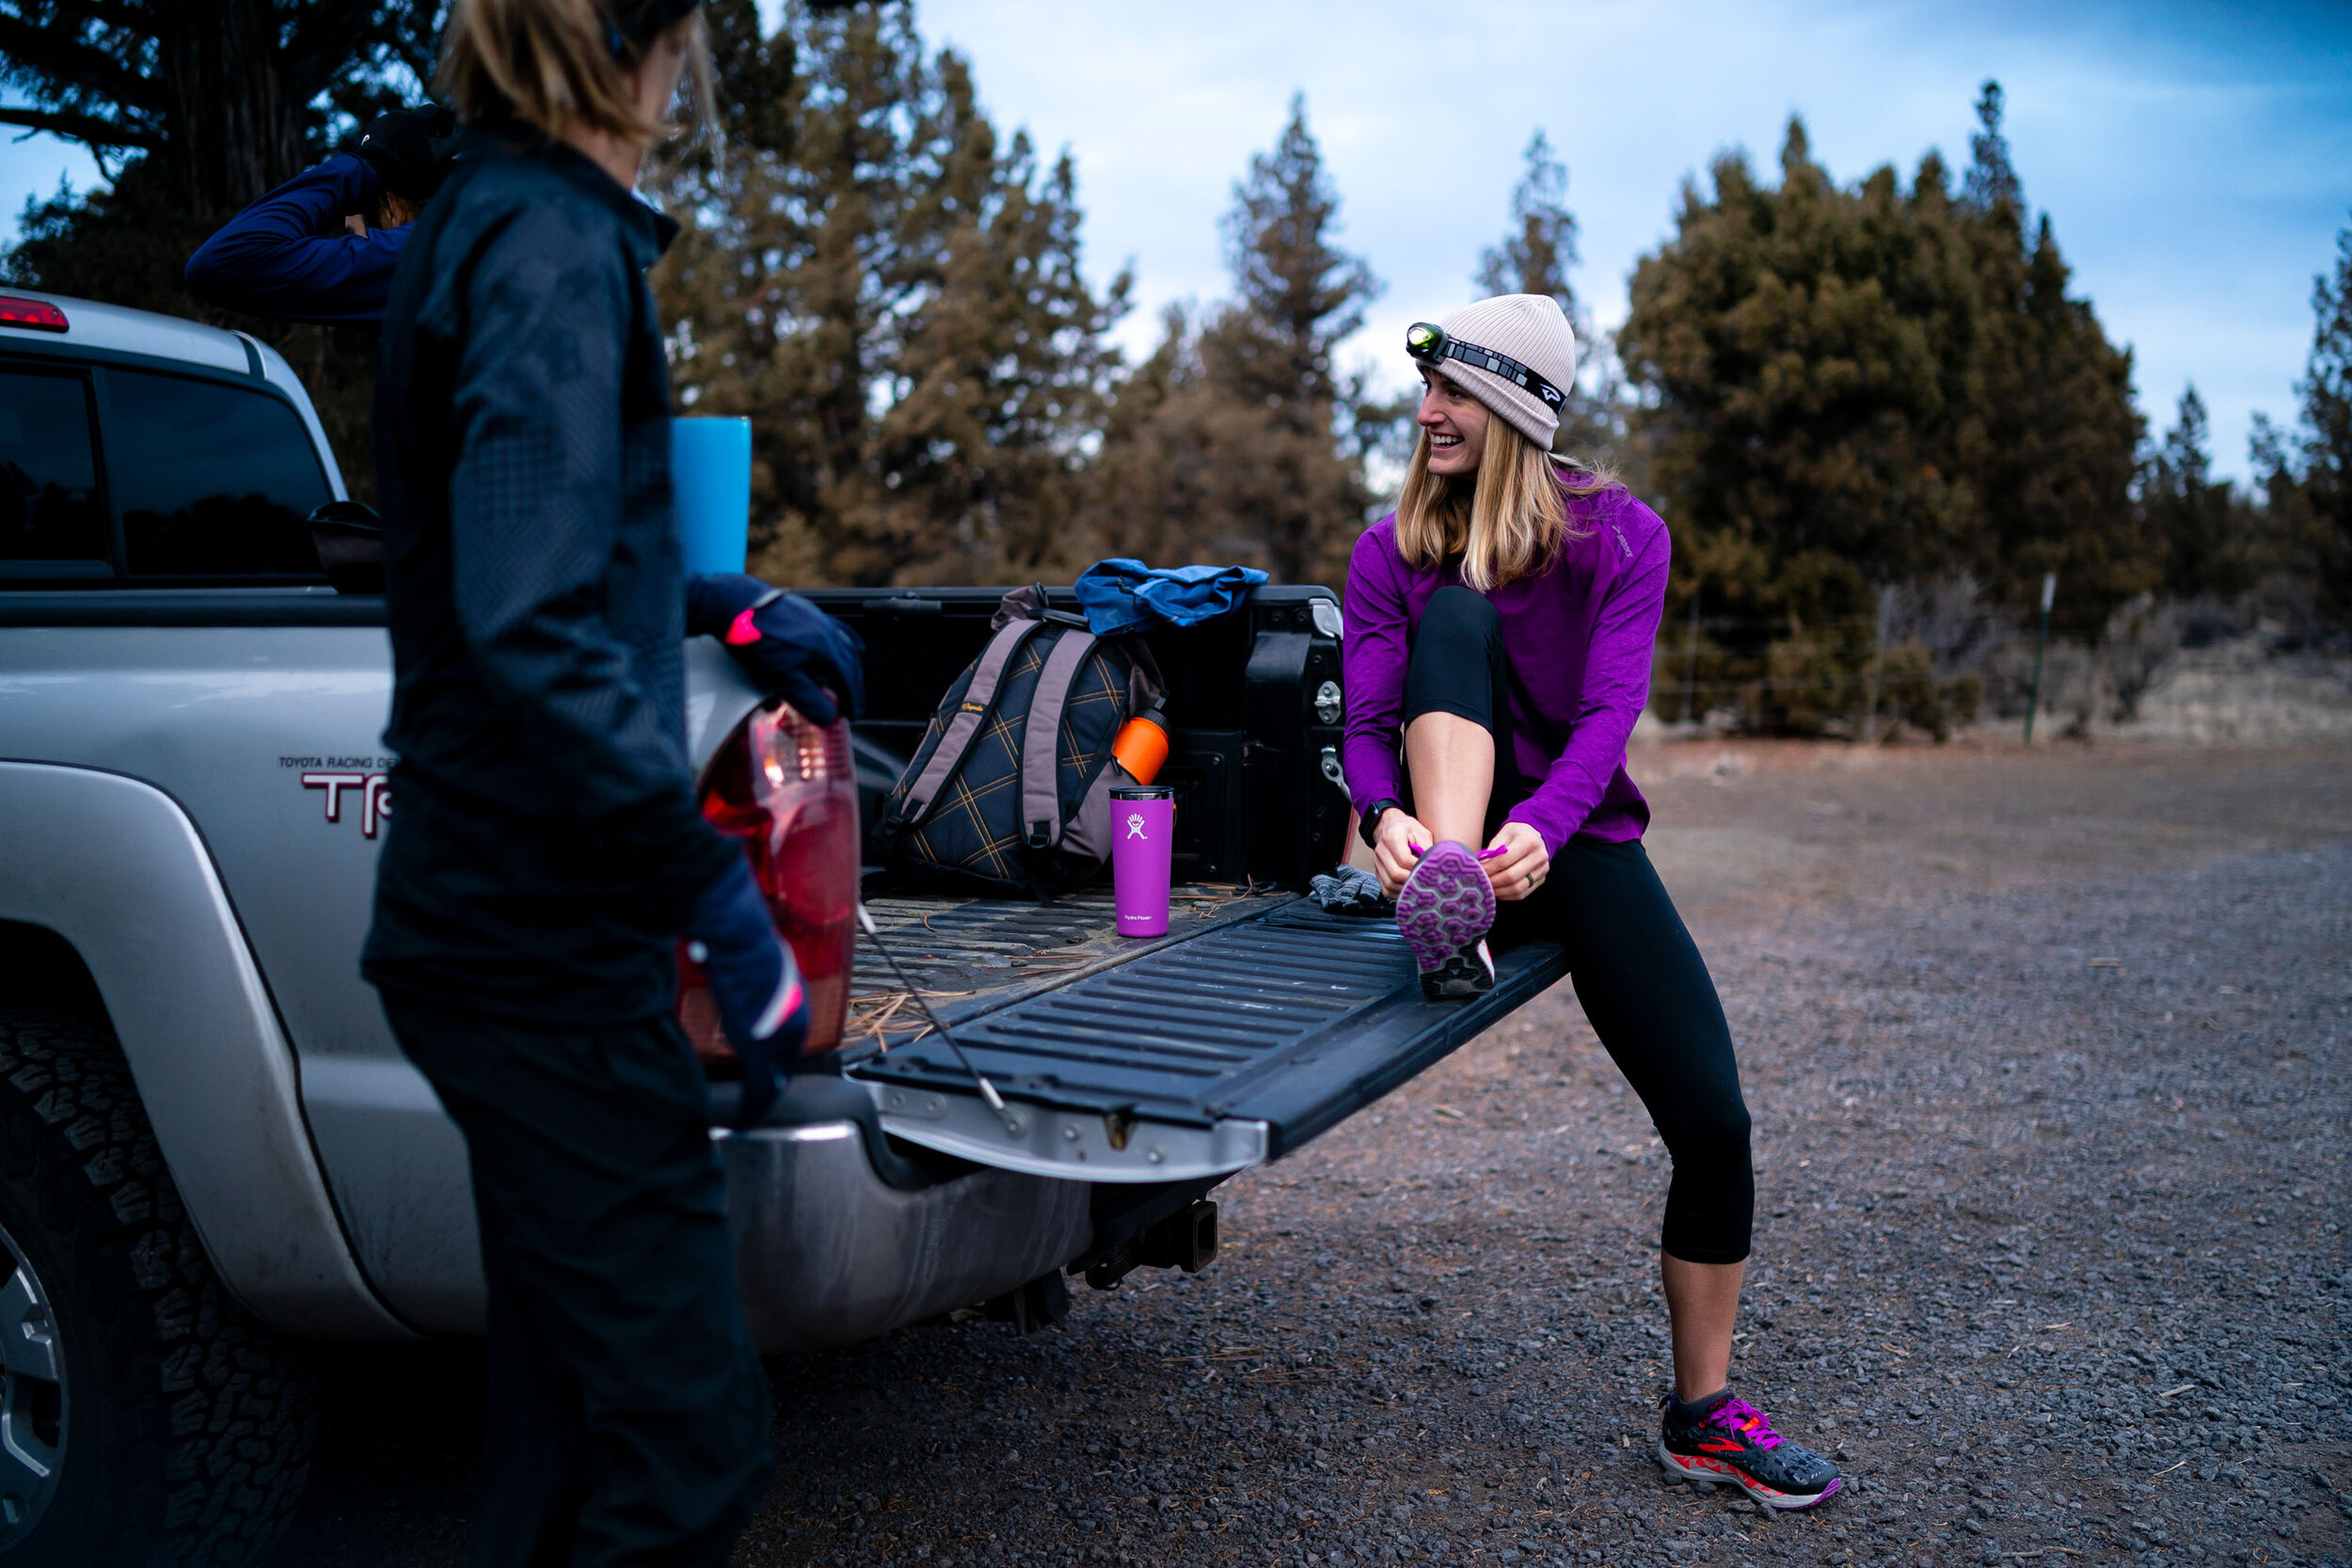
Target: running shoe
{"x": 1731, "y": 1444}
{"x": 1445, "y": 911}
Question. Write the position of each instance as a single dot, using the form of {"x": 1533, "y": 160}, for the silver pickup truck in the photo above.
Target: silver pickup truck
{"x": 211, "y": 1149}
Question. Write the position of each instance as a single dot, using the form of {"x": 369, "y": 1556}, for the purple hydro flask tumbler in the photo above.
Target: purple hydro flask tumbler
{"x": 1143, "y": 832}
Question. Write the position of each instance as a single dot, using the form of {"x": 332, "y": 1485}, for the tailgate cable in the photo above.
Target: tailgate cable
{"x": 988, "y": 1090}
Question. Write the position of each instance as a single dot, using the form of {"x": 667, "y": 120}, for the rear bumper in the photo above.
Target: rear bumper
{"x": 828, "y": 1253}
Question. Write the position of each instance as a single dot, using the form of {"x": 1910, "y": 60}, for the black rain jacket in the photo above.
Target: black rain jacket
{"x": 545, "y": 848}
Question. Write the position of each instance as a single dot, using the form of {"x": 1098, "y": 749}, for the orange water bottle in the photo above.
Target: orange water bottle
{"x": 1141, "y": 746}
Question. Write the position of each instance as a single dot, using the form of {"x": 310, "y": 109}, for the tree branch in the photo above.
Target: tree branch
{"x": 115, "y": 13}
{"x": 42, "y": 52}
{"x": 326, "y": 40}
{"x": 89, "y": 130}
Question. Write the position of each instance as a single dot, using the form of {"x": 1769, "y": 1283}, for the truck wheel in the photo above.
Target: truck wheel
{"x": 145, "y": 1418}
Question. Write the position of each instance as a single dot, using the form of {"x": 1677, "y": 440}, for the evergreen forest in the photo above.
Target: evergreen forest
{"x": 1878, "y": 413}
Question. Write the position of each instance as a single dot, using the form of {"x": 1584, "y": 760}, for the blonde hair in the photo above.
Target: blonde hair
{"x": 1505, "y": 522}
{"x": 550, "y": 64}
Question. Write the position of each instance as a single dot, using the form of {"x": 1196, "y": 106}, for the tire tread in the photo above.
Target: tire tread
{"x": 204, "y": 1439}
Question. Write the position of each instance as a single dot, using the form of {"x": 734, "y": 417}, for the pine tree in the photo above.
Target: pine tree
{"x": 2060, "y": 435}
{"x": 2197, "y": 521}
{"x": 1238, "y": 440}
{"x": 2326, "y": 435}
{"x": 1992, "y": 181}
{"x": 1535, "y": 255}
{"x": 1534, "y": 258}
{"x": 894, "y": 296}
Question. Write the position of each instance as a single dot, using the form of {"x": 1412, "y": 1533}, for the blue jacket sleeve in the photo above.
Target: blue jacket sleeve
{"x": 289, "y": 255}
{"x": 536, "y": 497}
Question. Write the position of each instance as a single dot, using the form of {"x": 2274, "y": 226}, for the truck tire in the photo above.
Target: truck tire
{"x": 146, "y": 1419}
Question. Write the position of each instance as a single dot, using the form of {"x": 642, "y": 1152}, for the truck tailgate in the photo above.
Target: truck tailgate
{"x": 1256, "y": 1024}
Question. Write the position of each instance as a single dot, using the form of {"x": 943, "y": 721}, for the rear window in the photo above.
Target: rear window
{"x": 49, "y": 503}
{"x": 211, "y": 479}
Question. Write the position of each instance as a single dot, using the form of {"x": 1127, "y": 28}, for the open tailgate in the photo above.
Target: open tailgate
{"x": 1257, "y": 1024}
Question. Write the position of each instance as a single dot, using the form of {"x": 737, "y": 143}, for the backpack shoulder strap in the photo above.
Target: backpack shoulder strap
{"x": 988, "y": 673}
{"x": 1041, "y": 738}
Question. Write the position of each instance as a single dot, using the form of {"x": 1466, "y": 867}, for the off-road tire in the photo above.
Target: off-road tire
{"x": 188, "y": 1425}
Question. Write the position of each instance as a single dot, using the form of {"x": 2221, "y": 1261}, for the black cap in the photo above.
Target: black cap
{"x": 410, "y": 149}
{"x": 641, "y": 21}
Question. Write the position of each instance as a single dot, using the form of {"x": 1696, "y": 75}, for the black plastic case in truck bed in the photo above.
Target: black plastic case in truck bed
{"x": 1256, "y": 1023}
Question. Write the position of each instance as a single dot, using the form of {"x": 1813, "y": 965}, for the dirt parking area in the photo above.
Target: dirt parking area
{"x": 2047, "y": 1056}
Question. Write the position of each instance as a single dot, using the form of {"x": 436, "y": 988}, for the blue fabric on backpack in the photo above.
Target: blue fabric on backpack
{"x": 1121, "y": 594}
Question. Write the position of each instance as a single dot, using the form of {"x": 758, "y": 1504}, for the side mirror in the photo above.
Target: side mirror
{"x": 349, "y": 537}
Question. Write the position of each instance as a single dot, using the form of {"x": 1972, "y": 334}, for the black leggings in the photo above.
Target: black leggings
{"x": 1638, "y": 975}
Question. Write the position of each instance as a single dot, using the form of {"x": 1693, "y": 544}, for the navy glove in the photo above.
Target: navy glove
{"x": 786, "y": 646}
{"x": 762, "y": 1004}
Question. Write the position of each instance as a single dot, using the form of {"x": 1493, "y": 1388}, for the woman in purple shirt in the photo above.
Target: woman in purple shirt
{"x": 1500, "y": 626}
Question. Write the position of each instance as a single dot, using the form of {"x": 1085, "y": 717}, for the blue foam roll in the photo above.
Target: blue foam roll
{"x": 710, "y": 475}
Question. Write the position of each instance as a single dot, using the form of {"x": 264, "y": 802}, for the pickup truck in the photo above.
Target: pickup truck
{"x": 211, "y": 1149}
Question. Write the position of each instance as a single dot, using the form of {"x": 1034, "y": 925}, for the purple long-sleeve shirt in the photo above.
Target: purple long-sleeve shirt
{"x": 1579, "y": 639}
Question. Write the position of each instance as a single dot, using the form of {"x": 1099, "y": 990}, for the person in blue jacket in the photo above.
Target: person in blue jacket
{"x": 322, "y": 247}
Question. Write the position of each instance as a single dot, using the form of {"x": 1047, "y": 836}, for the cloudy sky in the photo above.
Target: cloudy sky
{"x": 2195, "y": 159}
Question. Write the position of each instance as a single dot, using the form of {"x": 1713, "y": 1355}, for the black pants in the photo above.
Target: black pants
{"x": 1637, "y": 973}
{"x": 629, "y": 1414}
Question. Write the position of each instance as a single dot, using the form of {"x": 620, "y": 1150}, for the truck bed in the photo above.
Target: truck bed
{"x": 1256, "y": 1023}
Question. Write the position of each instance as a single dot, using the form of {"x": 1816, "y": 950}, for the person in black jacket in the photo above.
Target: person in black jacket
{"x": 547, "y": 852}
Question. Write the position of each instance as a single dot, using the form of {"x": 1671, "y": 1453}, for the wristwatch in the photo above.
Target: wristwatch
{"x": 1370, "y": 819}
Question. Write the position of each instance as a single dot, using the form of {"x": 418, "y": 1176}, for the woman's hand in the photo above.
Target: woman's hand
{"x": 1523, "y": 864}
{"x": 1397, "y": 842}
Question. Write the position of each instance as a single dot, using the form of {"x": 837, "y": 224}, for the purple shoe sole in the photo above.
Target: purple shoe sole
{"x": 1445, "y": 911}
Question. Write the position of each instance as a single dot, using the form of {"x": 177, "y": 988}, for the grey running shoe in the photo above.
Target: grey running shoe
{"x": 1731, "y": 1444}
{"x": 1445, "y": 911}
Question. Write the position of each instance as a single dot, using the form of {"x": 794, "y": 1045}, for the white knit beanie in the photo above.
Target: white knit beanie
{"x": 1530, "y": 328}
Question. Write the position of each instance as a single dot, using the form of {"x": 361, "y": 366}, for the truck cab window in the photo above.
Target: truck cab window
{"x": 212, "y": 480}
{"x": 49, "y": 503}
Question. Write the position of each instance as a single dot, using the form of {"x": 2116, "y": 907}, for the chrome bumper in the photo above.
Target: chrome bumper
{"x": 828, "y": 1254}
{"x": 1072, "y": 1145}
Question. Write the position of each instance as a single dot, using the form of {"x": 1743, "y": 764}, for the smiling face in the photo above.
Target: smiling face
{"x": 1455, "y": 425}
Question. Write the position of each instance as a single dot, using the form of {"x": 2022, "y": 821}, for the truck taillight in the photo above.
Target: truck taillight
{"x": 787, "y": 789}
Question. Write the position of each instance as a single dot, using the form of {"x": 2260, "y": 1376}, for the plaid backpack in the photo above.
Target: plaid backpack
{"x": 1010, "y": 791}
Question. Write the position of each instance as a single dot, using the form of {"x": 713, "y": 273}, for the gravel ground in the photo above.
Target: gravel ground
{"x": 2046, "y": 1054}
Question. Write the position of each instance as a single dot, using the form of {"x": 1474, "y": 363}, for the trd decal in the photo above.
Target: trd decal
{"x": 374, "y": 790}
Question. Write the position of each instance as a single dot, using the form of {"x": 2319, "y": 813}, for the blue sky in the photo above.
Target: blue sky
{"x": 2196, "y": 159}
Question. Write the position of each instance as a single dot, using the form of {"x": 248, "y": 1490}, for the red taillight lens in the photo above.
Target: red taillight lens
{"x": 16, "y": 311}
{"x": 787, "y": 789}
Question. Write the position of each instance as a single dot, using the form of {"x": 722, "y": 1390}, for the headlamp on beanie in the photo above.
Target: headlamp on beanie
{"x": 1427, "y": 343}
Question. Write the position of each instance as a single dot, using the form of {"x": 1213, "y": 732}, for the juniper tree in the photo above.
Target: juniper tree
{"x": 1863, "y": 385}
